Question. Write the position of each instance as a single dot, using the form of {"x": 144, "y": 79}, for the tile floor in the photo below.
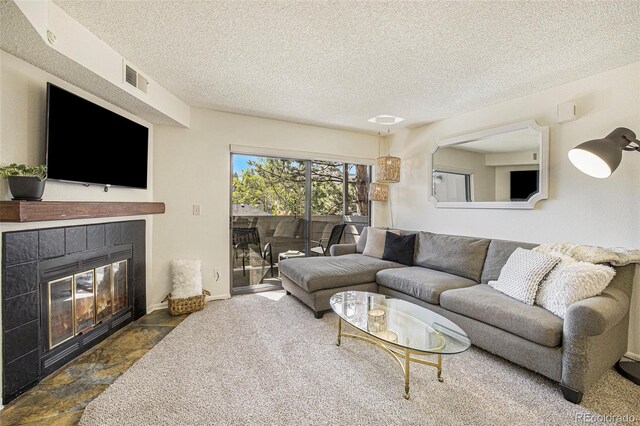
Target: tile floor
{"x": 61, "y": 397}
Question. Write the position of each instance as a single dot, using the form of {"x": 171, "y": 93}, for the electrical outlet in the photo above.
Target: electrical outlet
{"x": 196, "y": 209}
{"x": 217, "y": 273}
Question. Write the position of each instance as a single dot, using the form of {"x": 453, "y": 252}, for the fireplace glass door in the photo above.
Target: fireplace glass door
{"x": 60, "y": 311}
{"x": 79, "y": 302}
{"x": 85, "y": 301}
{"x": 119, "y": 282}
{"x": 103, "y": 292}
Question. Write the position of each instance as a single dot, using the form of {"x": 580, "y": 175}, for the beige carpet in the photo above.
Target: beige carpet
{"x": 264, "y": 359}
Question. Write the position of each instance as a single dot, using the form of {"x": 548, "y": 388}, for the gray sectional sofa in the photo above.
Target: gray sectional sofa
{"x": 450, "y": 276}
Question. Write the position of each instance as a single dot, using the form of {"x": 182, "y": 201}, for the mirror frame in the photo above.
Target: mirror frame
{"x": 543, "y": 183}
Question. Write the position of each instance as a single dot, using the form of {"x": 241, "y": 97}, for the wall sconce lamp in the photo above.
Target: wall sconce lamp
{"x": 601, "y": 157}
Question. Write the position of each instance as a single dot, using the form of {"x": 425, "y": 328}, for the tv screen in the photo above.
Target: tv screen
{"x": 523, "y": 184}
{"x": 89, "y": 144}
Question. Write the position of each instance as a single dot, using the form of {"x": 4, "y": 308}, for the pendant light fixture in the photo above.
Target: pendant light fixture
{"x": 378, "y": 192}
{"x": 387, "y": 167}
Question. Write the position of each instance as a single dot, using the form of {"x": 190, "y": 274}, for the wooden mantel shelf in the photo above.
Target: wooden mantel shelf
{"x": 39, "y": 211}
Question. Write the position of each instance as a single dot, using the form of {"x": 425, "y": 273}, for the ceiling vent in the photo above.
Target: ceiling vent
{"x": 135, "y": 79}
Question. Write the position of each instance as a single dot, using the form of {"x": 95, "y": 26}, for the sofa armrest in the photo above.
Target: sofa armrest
{"x": 595, "y": 315}
{"x": 340, "y": 249}
{"x": 595, "y": 337}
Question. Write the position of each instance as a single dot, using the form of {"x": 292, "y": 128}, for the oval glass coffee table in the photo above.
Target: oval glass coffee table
{"x": 403, "y": 329}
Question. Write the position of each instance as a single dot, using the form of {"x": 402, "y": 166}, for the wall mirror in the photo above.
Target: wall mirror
{"x": 501, "y": 168}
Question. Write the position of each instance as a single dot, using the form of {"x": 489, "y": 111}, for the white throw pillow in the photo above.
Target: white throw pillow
{"x": 375, "y": 242}
{"x": 572, "y": 281}
{"x": 186, "y": 278}
{"x": 521, "y": 276}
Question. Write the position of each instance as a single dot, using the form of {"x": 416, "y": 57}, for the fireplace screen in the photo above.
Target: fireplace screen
{"x": 60, "y": 311}
{"x": 85, "y": 306}
{"x": 119, "y": 285}
{"x": 103, "y": 292}
{"x": 79, "y": 302}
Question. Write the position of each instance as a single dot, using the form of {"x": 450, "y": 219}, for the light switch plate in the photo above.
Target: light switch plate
{"x": 196, "y": 209}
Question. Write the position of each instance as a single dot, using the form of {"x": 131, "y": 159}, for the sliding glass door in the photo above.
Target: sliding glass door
{"x": 289, "y": 208}
{"x": 339, "y": 196}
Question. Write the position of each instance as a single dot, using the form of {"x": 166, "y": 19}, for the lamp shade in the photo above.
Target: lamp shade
{"x": 601, "y": 157}
{"x": 378, "y": 192}
{"x": 388, "y": 169}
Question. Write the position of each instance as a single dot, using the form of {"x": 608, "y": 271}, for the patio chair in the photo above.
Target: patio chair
{"x": 334, "y": 235}
{"x": 244, "y": 239}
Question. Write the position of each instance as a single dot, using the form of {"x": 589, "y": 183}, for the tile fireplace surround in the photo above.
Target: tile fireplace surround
{"x": 65, "y": 290}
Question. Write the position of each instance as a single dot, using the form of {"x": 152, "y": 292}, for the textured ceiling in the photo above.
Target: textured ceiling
{"x": 19, "y": 38}
{"x": 338, "y": 63}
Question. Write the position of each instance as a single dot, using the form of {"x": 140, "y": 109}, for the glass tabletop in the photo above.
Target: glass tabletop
{"x": 400, "y": 322}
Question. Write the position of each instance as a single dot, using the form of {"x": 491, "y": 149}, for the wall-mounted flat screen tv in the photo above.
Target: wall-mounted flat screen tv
{"x": 89, "y": 144}
{"x": 524, "y": 183}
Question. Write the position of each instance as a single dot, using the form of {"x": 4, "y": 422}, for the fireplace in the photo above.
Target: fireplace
{"x": 79, "y": 302}
{"x": 83, "y": 296}
{"x": 64, "y": 290}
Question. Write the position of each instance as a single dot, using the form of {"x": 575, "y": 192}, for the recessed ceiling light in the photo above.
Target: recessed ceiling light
{"x": 386, "y": 120}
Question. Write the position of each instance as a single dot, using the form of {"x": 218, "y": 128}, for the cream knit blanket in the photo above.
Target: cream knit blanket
{"x": 616, "y": 256}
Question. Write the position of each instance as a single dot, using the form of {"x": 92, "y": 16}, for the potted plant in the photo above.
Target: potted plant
{"x": 25, "y": 182}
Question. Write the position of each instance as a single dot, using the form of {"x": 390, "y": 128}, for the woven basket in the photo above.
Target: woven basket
{"x": 186, "y": 305}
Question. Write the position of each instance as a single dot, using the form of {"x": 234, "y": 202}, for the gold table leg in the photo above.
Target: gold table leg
{"x": 407, "y": 359}
{"x": 400, "y": 354}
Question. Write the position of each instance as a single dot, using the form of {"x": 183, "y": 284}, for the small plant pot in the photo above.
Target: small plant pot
{"x": 26, "y": 188}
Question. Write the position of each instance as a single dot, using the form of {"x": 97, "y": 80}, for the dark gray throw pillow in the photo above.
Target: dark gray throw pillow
{"x": 399, "y": 248}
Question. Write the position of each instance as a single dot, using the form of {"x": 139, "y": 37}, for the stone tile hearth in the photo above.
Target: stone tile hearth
{"x": 61, "y": 397}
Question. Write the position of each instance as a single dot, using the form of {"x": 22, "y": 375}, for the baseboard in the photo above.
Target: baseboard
{"x": 633, "y": 356}
{"x": 163, "y": 305}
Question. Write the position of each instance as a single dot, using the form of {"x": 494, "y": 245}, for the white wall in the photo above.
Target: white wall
{"x": 193, "y": 167}
{"x": 22, "y": 140}
{"x": 580, "y": 209}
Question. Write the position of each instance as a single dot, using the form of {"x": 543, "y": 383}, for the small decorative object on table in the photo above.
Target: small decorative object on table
{"x": 26, "y": 183}
{"x": 377, "y": 320}
{"x": 187, "y": 295}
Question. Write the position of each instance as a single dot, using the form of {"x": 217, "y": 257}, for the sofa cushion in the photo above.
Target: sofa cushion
{"x": 376, "y": 240}
{"x": 399, "y": 248}
{"x": 485, "y": 304}
{"x": 421, "y": 283}
{"x": 375, "y": 243}
{"x": 522, "y": 274}
{"x": 497, "y": 255}
{"x": 570, "y": 282}
{"x": 456, "y": 255}
{"x": 316, "y": 273}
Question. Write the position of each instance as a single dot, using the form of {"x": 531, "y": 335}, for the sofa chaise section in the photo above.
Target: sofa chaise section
{"x": 314, "y": 280}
